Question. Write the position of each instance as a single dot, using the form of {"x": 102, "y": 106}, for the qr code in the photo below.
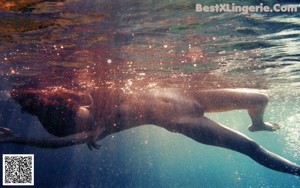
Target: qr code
{"x": 18, "y": 169}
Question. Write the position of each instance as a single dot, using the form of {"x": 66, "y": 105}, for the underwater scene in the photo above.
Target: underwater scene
{"x": 76, "y": 47}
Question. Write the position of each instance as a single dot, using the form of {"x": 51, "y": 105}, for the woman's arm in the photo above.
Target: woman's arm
{"x": 7, "y": 136}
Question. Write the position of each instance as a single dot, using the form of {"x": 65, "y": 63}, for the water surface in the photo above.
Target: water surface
{"x": 82, "y": 45}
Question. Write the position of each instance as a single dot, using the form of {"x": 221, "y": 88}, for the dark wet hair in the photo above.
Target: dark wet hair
{"x": 56, "y": 109}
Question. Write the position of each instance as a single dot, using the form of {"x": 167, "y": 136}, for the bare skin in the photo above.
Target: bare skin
{"x": 179, "y": 111}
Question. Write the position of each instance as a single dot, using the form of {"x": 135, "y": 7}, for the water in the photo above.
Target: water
{"x": 81, "y": 45}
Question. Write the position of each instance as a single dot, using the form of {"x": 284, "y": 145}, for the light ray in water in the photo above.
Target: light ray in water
{"x": 292, "y": 140}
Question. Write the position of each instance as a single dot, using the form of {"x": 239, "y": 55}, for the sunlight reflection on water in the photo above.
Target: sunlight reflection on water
{"x": 293, "y": 135}
{"x": 83, "y": 45}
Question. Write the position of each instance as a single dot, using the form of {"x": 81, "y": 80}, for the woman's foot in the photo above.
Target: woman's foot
{"x": 267, "y": 126}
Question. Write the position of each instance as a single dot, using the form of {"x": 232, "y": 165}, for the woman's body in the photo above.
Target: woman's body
{"x": 180, "y": 111}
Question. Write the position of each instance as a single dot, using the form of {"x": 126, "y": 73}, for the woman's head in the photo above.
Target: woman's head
{"x": 60, "y": 111}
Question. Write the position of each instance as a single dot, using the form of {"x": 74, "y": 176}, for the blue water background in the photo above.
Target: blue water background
{"x": 159, "y": 41}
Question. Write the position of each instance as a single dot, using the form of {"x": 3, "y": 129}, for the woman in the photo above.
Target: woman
{"x": 66, "y": 115}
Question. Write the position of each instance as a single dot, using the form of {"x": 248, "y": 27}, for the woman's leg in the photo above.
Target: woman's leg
{"x": 206, "y": 131}
{"x": 233, "y": 99}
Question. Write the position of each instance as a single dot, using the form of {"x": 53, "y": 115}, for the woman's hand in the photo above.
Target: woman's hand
{"x": 6, "y": 135}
